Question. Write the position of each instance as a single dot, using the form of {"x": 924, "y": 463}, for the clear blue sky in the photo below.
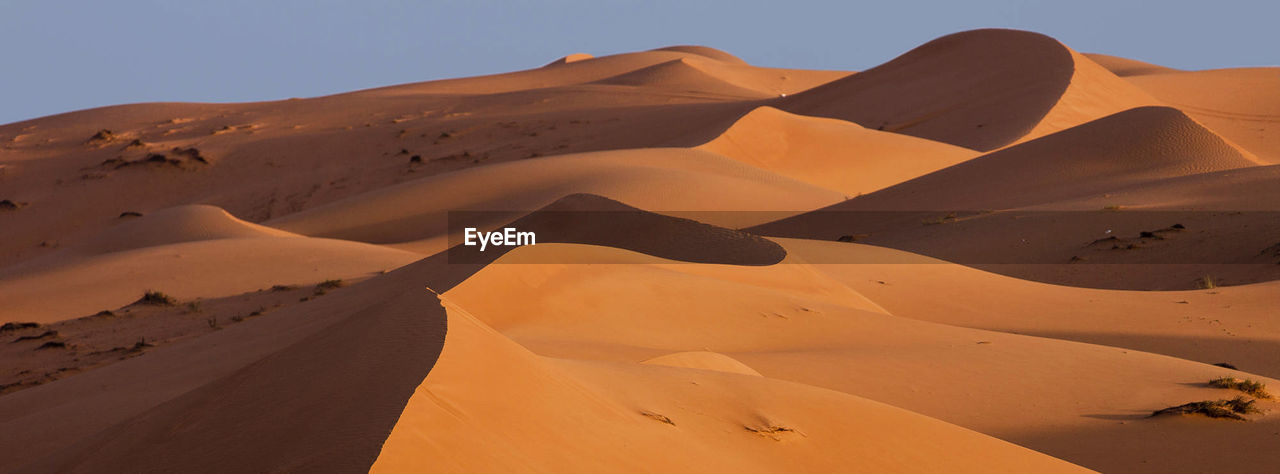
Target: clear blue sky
{"x": 67, "y": 55}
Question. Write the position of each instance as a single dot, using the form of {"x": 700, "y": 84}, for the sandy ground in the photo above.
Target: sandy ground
{"x": 990, "y": 254}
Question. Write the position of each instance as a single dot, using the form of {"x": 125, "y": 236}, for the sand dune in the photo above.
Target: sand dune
{"x": 981, "y": 89}
{"x": 661, "y": 179}
{"x": 703, "y": 360}
{"x": 1041, "y": 203}
{"x": 572, "y": 58}
{"x": 642, "y": 418}
{"x": 1235, "y": 103}
{"x": 183, "y": 252}
{"x": 1125, "y": 67}
{"x": 583, "y": 70}
{"x": 832, "y": 154}
{"x": 989, "y": 254}
{"x": 1110, "y": 153}
{"x": 816, "y": 340}
{"x": 706, "y": 52}
{"x": 682, "y": 75}
{"x": 176, "y": 225}
{"x": 1186, "y": 324}
{"x": 251, "y": 381}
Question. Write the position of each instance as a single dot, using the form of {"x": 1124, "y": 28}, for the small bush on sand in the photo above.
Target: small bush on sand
{"x": 1251, "y": 387}
{"x": 37, "y": 337}
{"x": 324, "y": 286}
{"x": 103, "y": 135}
{"x": 156, "y": 298}
{"x": 1206, "y": 283}
{"x": 1231, "y": 409}
{"x": 15, "y": 326}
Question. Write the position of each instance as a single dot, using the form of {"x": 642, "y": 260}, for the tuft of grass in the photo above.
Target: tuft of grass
{"x": 1251, "y": 387}
{"x": 659, "y": 417}
{"x": 141, "y": 345}
{"x": 52, "y": 345}
{"x": 213, "y": 323}
{"x": 1227, "y": 365}
{"x": 1206, "y": 283}
{"x": 103, "y": 135}
{"x": 15, "y": 326}
{"x": 1232, "y": 409}
{"x": 156, "y": 298}
{"x": 771, "y": 431}
{"x": 950, "y": 217}
{"x": 324, "y": 286}
{"x": 44, "y": 335}
{"x": 11, "y": 205}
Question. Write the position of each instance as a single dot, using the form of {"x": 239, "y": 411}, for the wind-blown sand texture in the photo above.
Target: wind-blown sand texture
{"x": 989, "y": 254}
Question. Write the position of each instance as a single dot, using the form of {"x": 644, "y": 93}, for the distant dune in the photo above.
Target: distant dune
{"x": 991, "y": 253}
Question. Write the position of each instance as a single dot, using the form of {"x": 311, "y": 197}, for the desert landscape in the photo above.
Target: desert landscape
{"x": 992, "y": 253}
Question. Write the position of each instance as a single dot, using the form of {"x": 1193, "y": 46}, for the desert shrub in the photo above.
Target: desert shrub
{"x": 1232, "y": 409}
{"x": 156, "y": 298}
{"x": 1251, "y": 387}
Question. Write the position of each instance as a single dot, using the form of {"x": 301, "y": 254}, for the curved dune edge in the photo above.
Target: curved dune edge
{"x": 572, "y": 58}
{"x": 960, "y": 297}
{"x": 706, "y": 52}
{"x": 595, "y": 220}
{"x": 1239, "y": 103}
{"x": 525, "y": 272}
{"x": 698, "y": 74}
{"x": 969, "y": 377}
{"x": 314, "y": 387}
{"x": 680, "y": 75}
{"x": 577, "y": 69}
{"x": 186, "y": 223}
{"x": 981, "y": 89}
{"x": 1139, "y": 145}
{"x": 1093, "y": 93}
{"x": 188, "y": 270}
{"x": 703, "y": 360}
{"x": 657, "y": 179}
{"x": 829, "y": 153}
{"x": 1031, "y": 210}
{"x": 461, "y": 416}
{"x": 1125, "y": 67}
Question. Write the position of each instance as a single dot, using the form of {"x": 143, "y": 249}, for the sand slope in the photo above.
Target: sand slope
{"x": 977, "y": 379}
{"x": 832, "y": 154}
{"x": 259, "y": 380}
{"x": 1239, "y": 104}
{"x": 186, "y": 252}
{"x": 657, "y": 179}
{"x": 929, "y": 266}
{"x": 980, "y": 89}
{"x": 646, "y": 418}
{"x": 1113, "y": 152}
{"x": 1125, "y": 67}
